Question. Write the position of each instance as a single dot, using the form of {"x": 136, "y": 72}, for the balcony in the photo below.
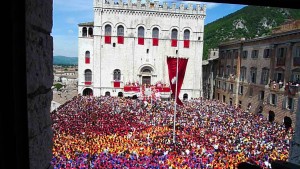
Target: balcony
{"x": 275, "y": 86}
{"x": 280, "y": 62}
{"x": 292, "y": 89}
{"x": 296, "y": 61}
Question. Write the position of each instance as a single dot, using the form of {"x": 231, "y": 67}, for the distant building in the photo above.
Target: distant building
{"x": 129, "y": 43}
{"x": 262, "y": 74}
{"x": 209, "y": 73}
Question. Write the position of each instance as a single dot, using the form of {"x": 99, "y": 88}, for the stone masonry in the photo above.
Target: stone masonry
{"x": 39, "y": 59}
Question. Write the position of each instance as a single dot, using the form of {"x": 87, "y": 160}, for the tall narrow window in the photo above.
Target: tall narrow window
{"x": 87, "y": 57}
{"x": 117, "y": 77}
{"x": 281, "y": 56}
{"x": 120, "y": 33}
{"x": 107, "y": 35}
{"x": 296, "y": 58}
{"x": 117, "y": 74}
{"x": 174, "y": 35}
{"x": 267, "y": 53}
{"x": 245, "y": 54}
{"x": 84, "y": 32}
{"x": 253, "y": 73}
{"x": 254, "y": 54}
{"x": 155, "y": 36}
{"x": 90, "y": 32}
{"x": 88, "y": 77}
{"x": 141, "y": 35}
{"x": 265, "y": 76}
{"x": 243, "y": 73}
{"x": 186, "y": 42}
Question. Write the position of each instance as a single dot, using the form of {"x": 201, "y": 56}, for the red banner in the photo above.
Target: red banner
{"x": 107, "y": 39}
{"x": 172, "y": 67}
{"x": 120, "y": 39}
{"x": 155, "y": 41}
{"x": 140, "y": 41}
{"x": 116, "y": 84}
{"x": 186, "y": 43}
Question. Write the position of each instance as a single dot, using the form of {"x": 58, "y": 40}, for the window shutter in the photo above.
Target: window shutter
{"x": 284, "y": 103}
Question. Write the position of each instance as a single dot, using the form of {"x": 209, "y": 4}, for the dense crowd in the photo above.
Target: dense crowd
{"x": 114, "y": 132}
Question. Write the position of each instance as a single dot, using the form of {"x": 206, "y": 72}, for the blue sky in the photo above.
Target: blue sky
{"x": 67, "y": 14}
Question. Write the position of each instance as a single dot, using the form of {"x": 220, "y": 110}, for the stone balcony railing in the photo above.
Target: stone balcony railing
{"x": 291, "y": 89}
{"x": 274, "y": 86}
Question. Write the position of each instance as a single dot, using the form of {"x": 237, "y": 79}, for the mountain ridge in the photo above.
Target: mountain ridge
{"x": 248, "y": 22}
{"x": 64, "y": 60}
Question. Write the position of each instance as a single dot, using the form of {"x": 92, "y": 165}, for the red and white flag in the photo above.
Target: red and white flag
{"x": 172, "y": 67}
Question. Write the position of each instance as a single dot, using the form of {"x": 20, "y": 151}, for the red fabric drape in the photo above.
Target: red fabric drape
{"x": 88, "y": 83}
{"x": 107, "y": 39}
{"x": 155, "y": 41}
{"x": 174, "y": 42}
{"x": 87, "y": 60}
{"x": 172, "y": 66}
{"x": 116, "y": 84}
{"x": 120, "y": 39}
{"x": 186, "y": 43}
{"x": 141, "y": 41}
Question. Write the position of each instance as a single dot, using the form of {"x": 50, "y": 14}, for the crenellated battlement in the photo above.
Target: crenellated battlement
{"x": 152, "y": 6}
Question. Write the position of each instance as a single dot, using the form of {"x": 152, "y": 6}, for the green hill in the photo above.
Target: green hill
{"x": 247, "y": 22}
{"x": 64, "y": 60}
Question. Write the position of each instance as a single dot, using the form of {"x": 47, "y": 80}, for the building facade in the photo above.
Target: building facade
{"x": 130, "y": 42}
{"x": 262, "y": 75}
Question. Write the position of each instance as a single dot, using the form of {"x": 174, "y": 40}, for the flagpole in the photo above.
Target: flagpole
{"x": 175, "y": 103}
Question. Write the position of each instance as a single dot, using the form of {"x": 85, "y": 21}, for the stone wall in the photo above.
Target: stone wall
{"x": 39, "y": 69}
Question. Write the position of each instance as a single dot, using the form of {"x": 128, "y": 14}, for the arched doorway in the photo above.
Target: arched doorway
{"x": 87, "y": 92}
{"x": 185, "y": 96}
{"x": 120, "y": 94}
{"x": 134, "y": 97}
{"x": 271, "y": 116}
{"x": 107, "y": 93}
{"x": 146, "y": 74}
{"x": 287, "y": 122}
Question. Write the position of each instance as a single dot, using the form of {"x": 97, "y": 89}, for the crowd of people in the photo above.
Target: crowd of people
{"x": 114, "y": 132}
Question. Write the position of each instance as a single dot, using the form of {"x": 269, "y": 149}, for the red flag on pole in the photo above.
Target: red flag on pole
{"x": 172, "y": 67}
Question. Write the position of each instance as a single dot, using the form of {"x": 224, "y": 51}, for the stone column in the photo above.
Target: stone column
{"x": 294, "y": 154}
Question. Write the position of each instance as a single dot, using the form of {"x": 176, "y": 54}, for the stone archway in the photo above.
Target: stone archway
{"x": 185, "y": 96}
{"x": 107, "y": 93}
{"x": 146, "y": 72}
{"x": 120, "y": 94}
{"x": 271, "y": 116}
{"x": 287, "y": 122}
{"x": 87, "y": 92}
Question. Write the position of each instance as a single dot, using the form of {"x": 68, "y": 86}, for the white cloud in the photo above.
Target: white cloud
{"x": 70, "y": 31}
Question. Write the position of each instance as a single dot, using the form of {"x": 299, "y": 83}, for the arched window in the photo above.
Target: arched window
{"x": 107, "y": 35}
{"x": 186, "y": 36}
{"x": 87, "y": 57}
{"x": 90, "y": 32}
{"x": 155, "y": 35}
{"x": 120, "y": 33}
{"x": 117, "y": 74}
{"x": 141, "y": 35}
{"x": 185, "y": 96}
{"x": 84, "y": 32}
{"x": 88, "y": 76}
{"x": 174, "y": 35}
